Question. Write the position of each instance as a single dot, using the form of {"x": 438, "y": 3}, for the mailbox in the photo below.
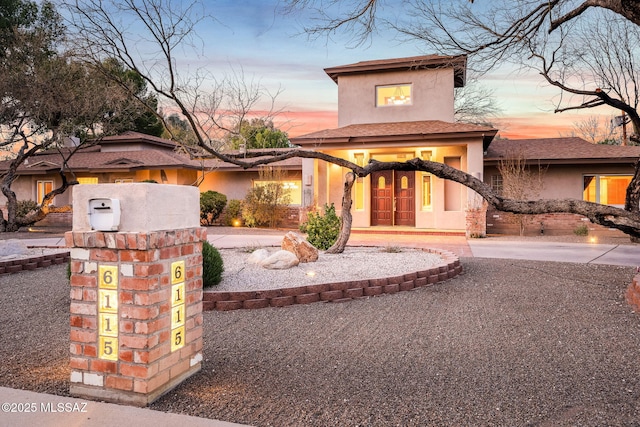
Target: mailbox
{"x": 104, "y": 214}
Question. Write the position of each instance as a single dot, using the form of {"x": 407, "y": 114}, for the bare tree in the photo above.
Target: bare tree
{"x": 101, "y": 29}
{"x": 520, "y": 181}
{"x": 596, "y": 130}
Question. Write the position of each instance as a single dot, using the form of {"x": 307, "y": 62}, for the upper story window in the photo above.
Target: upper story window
{"x": 393, "y": 95}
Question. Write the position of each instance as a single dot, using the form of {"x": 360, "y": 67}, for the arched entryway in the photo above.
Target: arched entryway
{"x": 393, "y": 198}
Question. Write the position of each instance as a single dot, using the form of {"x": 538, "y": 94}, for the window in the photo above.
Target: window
{"x": 606, "y": 189}
{"x": 88, "y": 180}
{"x": 393, "y": 95}
{"x": 359, "y": 184}
{"x": 123, "y": 180}
{"x": 294, "y": 187}
{"x": 496, "y": 183}
{"x": 426, "y": 192}
{"x": 43, "y": 187}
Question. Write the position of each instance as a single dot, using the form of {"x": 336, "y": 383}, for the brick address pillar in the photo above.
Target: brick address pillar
{"x": 136, "y": 299}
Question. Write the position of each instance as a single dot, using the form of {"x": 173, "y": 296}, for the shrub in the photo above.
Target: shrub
{"x": 211, "y": 205}
{"x": 322, "y": 230}
{"x": 581, "y": 230}
{"x": 212, "y": 265}
{"x": 151, "y": 181}
{"x": 265, "y": 205}
{"x": 23, "y": 207}
{"x": 233, "y": 211}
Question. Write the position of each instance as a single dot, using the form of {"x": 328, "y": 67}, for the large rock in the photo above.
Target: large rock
{"x": 280, "y": 260}
{"x": 258, "y": 256}
{"x": 296, "y": 244}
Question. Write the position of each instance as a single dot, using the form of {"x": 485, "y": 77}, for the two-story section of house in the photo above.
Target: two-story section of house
{"x": 396, "y": 110}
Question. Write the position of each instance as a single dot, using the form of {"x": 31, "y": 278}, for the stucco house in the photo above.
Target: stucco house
{"x": 136, "y": 157}
{"x": 570, "y": 168}
{"x": 388, "y": 110}
{"x": 395, "y": 110}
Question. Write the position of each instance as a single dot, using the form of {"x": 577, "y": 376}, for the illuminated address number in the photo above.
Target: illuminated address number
{"x": 177, "y": 338}
{"x": 108, "y": 348}
{"x": 108, "y": 277}
{"x": 177, "y": 272}
{"x": 108, "y": 324}
{"x": 108, "y": 312}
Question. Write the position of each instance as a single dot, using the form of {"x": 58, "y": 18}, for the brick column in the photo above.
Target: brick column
{"x": 136, "y": 312}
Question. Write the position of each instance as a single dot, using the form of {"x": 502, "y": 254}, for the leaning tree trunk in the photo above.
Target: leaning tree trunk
{"x": 346, "y": 217}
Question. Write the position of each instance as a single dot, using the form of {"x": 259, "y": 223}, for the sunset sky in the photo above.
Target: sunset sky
{"x": 272, "y": 48}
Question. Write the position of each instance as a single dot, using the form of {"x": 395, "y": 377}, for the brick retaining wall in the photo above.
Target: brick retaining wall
{"x": 334, "y": 292}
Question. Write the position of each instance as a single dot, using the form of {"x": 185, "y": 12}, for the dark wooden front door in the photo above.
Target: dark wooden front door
{"x": 404, "y": 190}
{"x": 393, "y": 198}
{"x": 382, "y": 198}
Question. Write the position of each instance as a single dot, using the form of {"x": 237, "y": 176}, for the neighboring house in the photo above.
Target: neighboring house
{"x": 136, "y": 157}
{"x": 572, "y": 168}
{"x": 395, "y": 110}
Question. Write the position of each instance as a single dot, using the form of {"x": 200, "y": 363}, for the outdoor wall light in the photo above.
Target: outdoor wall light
{"x": 236, "y": 222}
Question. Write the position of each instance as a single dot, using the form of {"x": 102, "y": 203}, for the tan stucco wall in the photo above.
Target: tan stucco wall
{"x": 566, "y": 182}
{"x": 432, "y": 97}
{"x": 330, "y": 181}
{"x": 235, "y": 184}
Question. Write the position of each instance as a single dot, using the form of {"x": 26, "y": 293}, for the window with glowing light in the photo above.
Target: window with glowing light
{"x": 359, "y": 184}
{"x": 392, "y": 95}
{"x": 88, "y": 180}
{"x": 426, "y": 192}
{"x": 294, "y": 188}
{"x": 606, "y": 189}
{"x": 43, "y": 187}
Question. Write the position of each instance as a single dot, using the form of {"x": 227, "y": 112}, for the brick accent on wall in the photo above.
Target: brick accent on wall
{"x": 554, "y": 224}
{"x": 146, "y": 365}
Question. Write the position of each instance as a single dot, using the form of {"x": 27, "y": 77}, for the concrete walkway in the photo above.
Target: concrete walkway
{"x": 585, "y": 253}
{"x": 26, "y": 408}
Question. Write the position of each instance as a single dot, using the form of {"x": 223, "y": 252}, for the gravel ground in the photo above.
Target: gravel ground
{"x": 354, "y": 263}
{"x": 505, "y": 343}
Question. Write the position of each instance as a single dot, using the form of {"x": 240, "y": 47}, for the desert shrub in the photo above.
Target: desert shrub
{"x": 322, "y": 230}
{"x": 151, "y": 181}
{"x": 23, "y": 207}
{"x": 212, "y": 265}
{"x": 265, "y": 205}
{"x": 581, "y": 230}
{"x": 233, "y": 211}
{"x": 211, "y": 205}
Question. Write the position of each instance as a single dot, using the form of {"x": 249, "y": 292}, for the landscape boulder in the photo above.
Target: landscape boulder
{"x": 258, "y": 256}
{"x": 280, "y": 260}
{"x": 296, "y": 244}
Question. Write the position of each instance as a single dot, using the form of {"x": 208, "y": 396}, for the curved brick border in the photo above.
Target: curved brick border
{"x": 18, "y": 265}
{"x": 334, "y": 292}
{"x": 633, "y": 293}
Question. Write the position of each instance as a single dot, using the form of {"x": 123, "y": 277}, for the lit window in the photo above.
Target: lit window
{"x": 43, "y": 187}
{"x": 88, "y": 180}
{"x": 393, "y": 95}
{"x": 359, "y": 184}
{"x": 123, "y": 180}
{"x": 404, "y": 183}
{"x": 294, "y": 189}
{"x": 606, "y": 189}
{"x": 426, "y": 192}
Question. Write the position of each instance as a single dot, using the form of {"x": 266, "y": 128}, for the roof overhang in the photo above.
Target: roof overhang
{"x": 458, "y": 63}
